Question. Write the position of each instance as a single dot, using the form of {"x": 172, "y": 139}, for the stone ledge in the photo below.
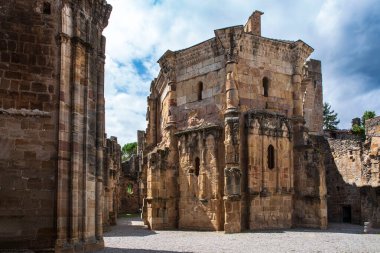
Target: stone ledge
{"x": 25, "y": 112}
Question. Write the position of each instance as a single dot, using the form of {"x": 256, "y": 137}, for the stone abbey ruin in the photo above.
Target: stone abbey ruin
{"x": 234, "y": 139}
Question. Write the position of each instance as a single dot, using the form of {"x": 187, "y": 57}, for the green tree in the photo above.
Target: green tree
{"x": 330, "y": 119}
{"x": 367, "y": 115}
{"x": 128, "y": 150}
{"x": 360, "y": 129}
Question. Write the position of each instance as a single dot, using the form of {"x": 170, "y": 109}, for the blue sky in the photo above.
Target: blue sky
{"x": 345, "y": 35}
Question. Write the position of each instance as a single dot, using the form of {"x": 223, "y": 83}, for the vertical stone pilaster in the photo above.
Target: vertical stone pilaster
{"x": 76, "y": 140}
{"x": 300, "y": 53}
{"x": 297, "y": 96}
{"x": 172, "y": 103}
{"x": 100, "y": 145}
{"x": 152, "y": 120}
{"x": 232, "y": 171}
{"x": 64, "y": 150}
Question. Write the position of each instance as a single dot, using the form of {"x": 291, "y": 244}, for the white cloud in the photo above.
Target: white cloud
{"x": 140, "y": 30}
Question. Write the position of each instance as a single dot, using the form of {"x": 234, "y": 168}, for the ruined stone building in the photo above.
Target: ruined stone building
{"x": 233, "y": 128}
{"x": 352, "y": 175}
{"x": 129, "y": 187}
{"x": 52, "y": 124}
{"x": 111, "y": 182}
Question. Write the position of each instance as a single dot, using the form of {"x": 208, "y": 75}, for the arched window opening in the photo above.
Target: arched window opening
{"x": 197, "y": 165}
{"x": 46, "y": 8}
{"x": 270, "y": 157}
{"x": 130, "y": 189}
{"x": 200, "y": 90}
{"x": 266, "y": 86}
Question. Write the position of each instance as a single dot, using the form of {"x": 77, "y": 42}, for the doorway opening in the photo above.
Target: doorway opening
{"x": 346, "y": 213}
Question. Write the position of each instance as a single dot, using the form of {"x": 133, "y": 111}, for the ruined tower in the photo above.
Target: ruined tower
{"x": 229, "y": 143}
{"x": 52, "y": 123}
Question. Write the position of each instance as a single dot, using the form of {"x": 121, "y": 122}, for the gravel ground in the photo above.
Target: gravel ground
{"x": 130, "y": 235}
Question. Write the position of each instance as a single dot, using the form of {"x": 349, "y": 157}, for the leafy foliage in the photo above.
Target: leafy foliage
{"x": 130, "y": 189}
{"x": 330, "y": 118}
{"x": 367, "y": 115}
{"x": 360, "y": 129}
{"x": 128, "y": 150}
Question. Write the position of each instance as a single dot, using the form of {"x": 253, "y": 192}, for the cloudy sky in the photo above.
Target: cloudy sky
{"x": 345, "y": 35}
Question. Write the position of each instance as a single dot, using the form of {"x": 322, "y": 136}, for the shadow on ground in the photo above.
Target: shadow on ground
{"x": 134, "y": 227}
{"x": 117, "y": 250}
{"x": 336, "y": 228}
{"x": 129, "y": 227}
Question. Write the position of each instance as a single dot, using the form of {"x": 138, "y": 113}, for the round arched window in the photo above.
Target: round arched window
{"x": 197, "y": 166}
{"x": 266, "y": 86}
{"x": 270, "y": 157}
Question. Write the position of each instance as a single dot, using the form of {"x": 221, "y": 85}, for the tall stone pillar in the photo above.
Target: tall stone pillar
{"x": 81, "y": 126}
{"x": 232, "y": 171}
{"x": 171, "y": 176}
{"x": 300, "y": 53}
{"x": 100, "y": 146}
{"x": 64, "y": 151}
{"x": 297, "y": 96}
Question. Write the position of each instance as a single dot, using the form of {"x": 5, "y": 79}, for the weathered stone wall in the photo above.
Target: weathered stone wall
{"x": 309, "y": 183}
{"x": 162, "y": 190}
{"x": 200, "y": 179}
{"x": 129, "y": 187}
{"x": 111, "y": 181}
{"x": 52, "y": 120}
{"x": 313, "y": 101}
{"x": 352, "y": 176}
{"x": 269, "y": 187}
{"x": 372, "y": 127}
{"x": 28, "y": 124}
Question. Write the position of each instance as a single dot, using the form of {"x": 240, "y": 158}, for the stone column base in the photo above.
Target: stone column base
{"x": 232, "y": 209}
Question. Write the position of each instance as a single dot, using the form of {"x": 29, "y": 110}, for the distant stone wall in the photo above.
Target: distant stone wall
{"x": 373, "y": 135}
{"x": 129, "y": 188}
{"x": 352, "y": 177}
{"x": 373, "y": 127}
{"x": 129, "y": 201}
{"x": 112, "y": 175}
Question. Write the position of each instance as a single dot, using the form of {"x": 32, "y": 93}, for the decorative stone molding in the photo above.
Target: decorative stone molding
{"x": 167, "y": 63}
{"x": 267, "y": 123}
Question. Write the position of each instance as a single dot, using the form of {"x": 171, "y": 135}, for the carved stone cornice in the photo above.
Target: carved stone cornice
{"x": 227, "y": 40}
{"x": 215, "y": 130}
{"x": 168, "y": 63}
{"x": 268, "y": 123}
{"x": 79, "y": 41}
{"x": 300, "y": 52}
{"x": 62, "y": 38}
